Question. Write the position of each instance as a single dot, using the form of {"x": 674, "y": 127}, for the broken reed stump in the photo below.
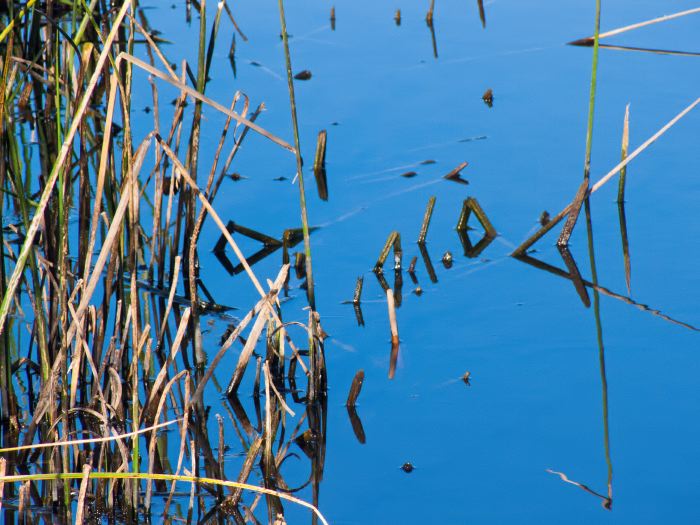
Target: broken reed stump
{"x": 472, "y": 205}
{"x": 394, "y": 332}
{"x": 355, "y": 388}
{"x": 394, "y": 240}
{"x": 429, "y": 14}
{"x": 456, "y": 175}
{"x": 358, "y": 290}
{"x": 571, "y": 220}
{"x": 320, "y": 165}
{"x": 482, "y": 13}
{"x": 426, "y": 221}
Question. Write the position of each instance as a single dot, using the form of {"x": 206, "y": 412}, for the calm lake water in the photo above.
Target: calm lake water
{"x": 394, "y": 96}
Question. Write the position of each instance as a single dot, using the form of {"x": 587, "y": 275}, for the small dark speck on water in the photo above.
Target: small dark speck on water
{"x": 279, "y": 179}
{"x": 303, "y": 75}
{"x": 409, "y": 174}
{"x": 429, "y": 161}
{"x": 487, "y": 97}
{"x": 407, "y": 467}
{"x": 236, "y": 177}
{"x": 254, "y": 63}
{"x": 335, "y": 123}
{"x": 418, "y": 291}
{"x": 466, "y": 377}
{"x": 147, "y": 110}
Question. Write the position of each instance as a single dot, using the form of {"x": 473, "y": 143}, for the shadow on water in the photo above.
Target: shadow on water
{"x": 607, "y": 500}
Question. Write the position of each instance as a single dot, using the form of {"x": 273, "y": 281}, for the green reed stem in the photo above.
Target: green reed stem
{"x": 300, "y": 174}
{"x": 591, "y": 98}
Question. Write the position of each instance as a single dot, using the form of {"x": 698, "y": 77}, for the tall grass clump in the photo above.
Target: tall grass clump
{"x": 103, "y": 366}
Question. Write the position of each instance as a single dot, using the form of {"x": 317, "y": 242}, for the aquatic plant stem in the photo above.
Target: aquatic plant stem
{"x": 591, "y": 98}
{"x": 520, "y": 250}
{"x": 56, "y": 169}
{"x": 300, "y": 174}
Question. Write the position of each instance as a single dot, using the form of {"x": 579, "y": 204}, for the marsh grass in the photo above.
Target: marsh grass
{"x": 113, "y": 302}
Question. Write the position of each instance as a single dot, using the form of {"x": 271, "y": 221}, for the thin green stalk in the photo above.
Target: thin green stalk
{"x": 300, "y": 174}
{"x": 591, "y": 98}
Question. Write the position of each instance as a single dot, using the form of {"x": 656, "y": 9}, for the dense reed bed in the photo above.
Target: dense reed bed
{"x": 102, "y": 363}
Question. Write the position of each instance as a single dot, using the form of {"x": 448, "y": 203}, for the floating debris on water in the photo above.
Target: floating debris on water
{"x": 409, "y": 174}
{"x": 418, "y": 291}
{"x": 466, "y": 377}
{"x": 407, "y": 467}
{"x": 236, "y": 177}
{"x": 303, "y": 75}
{"x": 279, "y": 179}
{"x": 456, "y": 175}
{"x": 447, "y": 260}
{"x": 427, "y": 162}
{"x": 397, "y": 17}
{"x": 333, "y": 18}
{"x": 487, "y": 97}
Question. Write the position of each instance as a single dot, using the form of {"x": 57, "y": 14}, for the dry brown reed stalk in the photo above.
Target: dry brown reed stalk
{"x": 572, "y": 218}
{"x": 393, "y": 241}
{"x": 471, "y": 205}
{"x": 250, "y": 459}
{"x": 522, "y": 248}
{"x": 429, "y": 14}
{"x": 156, "y": 417}
{"x": 202, "y": 98}
{"x": 456, "y": 173}
{"x": 85, "y": 481}
{"x": 114, "y": 230}
{"x": 482, "y": 13}
{"x": 588, "y": 41}
{"x": 268, "y": 378}
{"x": 265, "y": 308}
{"x": 426, "y": 220}
{"x": 357, "y": 296}
{"x": 320, "y": 166}
{"x": 74, "y": 442}
{"x": 394, "y": 332}
{"x": 356, "y": 387}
